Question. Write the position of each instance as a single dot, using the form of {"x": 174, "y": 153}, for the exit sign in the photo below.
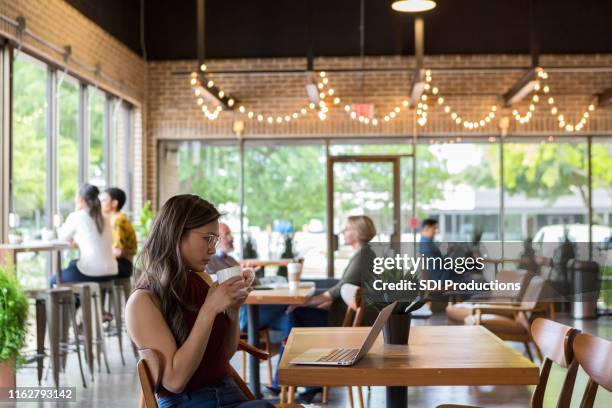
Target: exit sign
{"x": 363, "y": 109}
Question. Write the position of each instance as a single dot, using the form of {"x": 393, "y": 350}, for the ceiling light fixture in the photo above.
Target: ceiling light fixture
{"x": 413, "y": 6}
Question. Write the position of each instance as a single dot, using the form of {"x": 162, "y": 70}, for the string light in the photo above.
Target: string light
{"x": 456, "y": 117}
{"x": 563, "y": 123}
{"x": 253, "y": 115}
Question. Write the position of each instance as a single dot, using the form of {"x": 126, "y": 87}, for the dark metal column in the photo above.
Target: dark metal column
{"x": 253, "y": 337}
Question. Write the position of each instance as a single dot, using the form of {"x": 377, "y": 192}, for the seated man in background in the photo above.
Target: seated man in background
{"x": 270, "y": 316}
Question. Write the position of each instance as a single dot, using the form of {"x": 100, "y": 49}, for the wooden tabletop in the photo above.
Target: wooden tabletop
{"x": 280, "y": 296}
{"x": 436, "y": 355}
{"x": 35, "y": 246}
{"x": 267, "y": 262}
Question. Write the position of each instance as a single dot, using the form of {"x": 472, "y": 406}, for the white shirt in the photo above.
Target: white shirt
{"x": 96, "y": 250}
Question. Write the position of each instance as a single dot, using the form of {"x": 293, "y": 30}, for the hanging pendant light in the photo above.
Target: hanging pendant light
{"x": 413, "y": 6}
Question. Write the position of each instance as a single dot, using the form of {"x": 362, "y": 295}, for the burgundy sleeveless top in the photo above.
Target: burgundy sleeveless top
{"x": 214, "y": 366}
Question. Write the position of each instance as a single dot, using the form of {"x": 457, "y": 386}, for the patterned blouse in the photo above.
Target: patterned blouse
{"x": 124, "y": 236}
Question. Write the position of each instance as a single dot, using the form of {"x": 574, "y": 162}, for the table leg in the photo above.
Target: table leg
{"x": 397, "y": 397}
{"x": 253, "y": 336}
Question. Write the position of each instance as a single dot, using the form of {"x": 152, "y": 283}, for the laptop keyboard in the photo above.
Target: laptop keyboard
{"x": 341, "y": 354}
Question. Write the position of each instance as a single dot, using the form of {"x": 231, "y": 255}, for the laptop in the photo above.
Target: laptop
{"x": 345, "y": 356}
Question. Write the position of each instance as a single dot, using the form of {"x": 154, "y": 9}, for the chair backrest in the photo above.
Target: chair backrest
{"x": 594, "y": 356}
{"x": 351, "y": 294}
{"x": 533, "y": 293}
{"x": 555, "y": 341}
{"x": 506, "y": 276}
{"x": 149, "y": 372}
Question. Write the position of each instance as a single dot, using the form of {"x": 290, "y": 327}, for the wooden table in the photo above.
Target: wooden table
{"x": 268, "y": 297}
{"x": 266, "y": 262}
{"x": 8, "y": 252}
{"x": 436, "y": 355}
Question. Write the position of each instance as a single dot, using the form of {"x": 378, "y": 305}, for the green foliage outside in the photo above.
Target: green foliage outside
{"x": 545, "y": 171}
{"x": 29, "y": 160}
{"x": 96, "y": 140}
{"x": 13, "y": 315}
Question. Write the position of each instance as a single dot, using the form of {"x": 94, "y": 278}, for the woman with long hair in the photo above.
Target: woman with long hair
{"x": 176, "y": 309}
{"x": 88, "y": 230}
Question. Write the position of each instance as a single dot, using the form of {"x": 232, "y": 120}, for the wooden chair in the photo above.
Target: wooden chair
{"x": 594, "y": 355}
{"x": 457, "y": 312}
{"x": 267, "y": 346}
{"x": 557, "y": 344}
{"x": 511, "y": 322}
{"x": 150, "y": 367}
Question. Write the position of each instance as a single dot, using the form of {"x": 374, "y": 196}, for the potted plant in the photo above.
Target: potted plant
{"x": 397, "y": 328}
{"x": 145, "y": 221}
{"x": 287, "y": 254}
{"x": 13, "y": 321}
{"x": 249, "y": 251}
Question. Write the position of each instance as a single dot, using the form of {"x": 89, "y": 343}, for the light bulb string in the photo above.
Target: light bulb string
{"x": 541, "y": 92}
{"x": 554, "y": 110}
{"x": 322, "y": 86}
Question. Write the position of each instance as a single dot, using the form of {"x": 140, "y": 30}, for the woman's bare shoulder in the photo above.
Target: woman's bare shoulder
{"x": 141, "y": 299}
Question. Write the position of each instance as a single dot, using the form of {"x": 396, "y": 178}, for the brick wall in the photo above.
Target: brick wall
{"x": 174, "y": 114}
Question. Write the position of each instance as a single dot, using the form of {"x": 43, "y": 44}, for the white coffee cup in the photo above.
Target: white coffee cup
{"x": 47, "y": 235}
{"x": 228, "y": 273}
{"x": 294, "y": 273}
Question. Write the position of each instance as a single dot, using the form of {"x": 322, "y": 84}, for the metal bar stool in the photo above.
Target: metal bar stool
{"x": 98, "y": 341}
{"x": 115, "y": 304}
{"x": 55, "y": 308}
{"x": 89, "y": 294}
{"x": 124, "y": 286}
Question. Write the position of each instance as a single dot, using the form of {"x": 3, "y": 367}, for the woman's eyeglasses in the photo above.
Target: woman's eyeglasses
{"x": 211, "y": 239}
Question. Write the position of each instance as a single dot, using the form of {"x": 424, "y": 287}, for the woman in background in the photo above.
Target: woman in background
{"x": 88, "y": 230}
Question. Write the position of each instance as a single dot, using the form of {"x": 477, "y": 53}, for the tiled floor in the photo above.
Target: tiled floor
{"x": 121, "y": 388}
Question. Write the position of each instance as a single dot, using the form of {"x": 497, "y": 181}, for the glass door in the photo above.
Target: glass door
{"x": 361, "y": 185}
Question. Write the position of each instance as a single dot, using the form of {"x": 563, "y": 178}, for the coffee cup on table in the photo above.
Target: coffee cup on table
{"x": 294, "y": 274}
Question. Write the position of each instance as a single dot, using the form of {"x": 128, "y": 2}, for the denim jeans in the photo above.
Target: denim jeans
{"x": 226, "y": 394}
{"x": 270, "y": 317}
{"x": 72, "y": 274}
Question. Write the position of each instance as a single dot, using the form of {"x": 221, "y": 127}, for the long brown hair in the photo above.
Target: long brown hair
{"x": 90, "y": 194}
{"x": 164, "y": 272}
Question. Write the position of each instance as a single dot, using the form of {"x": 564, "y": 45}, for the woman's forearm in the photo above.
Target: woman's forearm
{"x": 234, "y": 336}
{"x": 188, "y": 357}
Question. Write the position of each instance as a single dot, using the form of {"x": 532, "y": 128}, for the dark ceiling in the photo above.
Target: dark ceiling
{"x": 279, "y": 28}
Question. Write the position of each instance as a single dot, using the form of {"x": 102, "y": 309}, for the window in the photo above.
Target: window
{"x": 68, "y": 144}
{"x": 97, "y": 132}
{"x": 458, "y": 184}
{"x": 29, "y": 201}
{"x": 285, "y": 194}
{"x": 29, "y": 147}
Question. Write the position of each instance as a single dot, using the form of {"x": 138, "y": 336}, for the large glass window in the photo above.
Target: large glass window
{"x": 458, "y": 184}
{"x": 29, "y": 147}
{"x": 68, "y": 145}
{"x": 97, "y": 131}
{"x": 210, "y": 171}
{"x": 29, "y": 164}
{"x": 601, "y": 167}
{"x": 285, "y": 201}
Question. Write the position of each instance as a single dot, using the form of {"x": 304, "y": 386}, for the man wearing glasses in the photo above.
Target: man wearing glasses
{"x": 270, "y": 316}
